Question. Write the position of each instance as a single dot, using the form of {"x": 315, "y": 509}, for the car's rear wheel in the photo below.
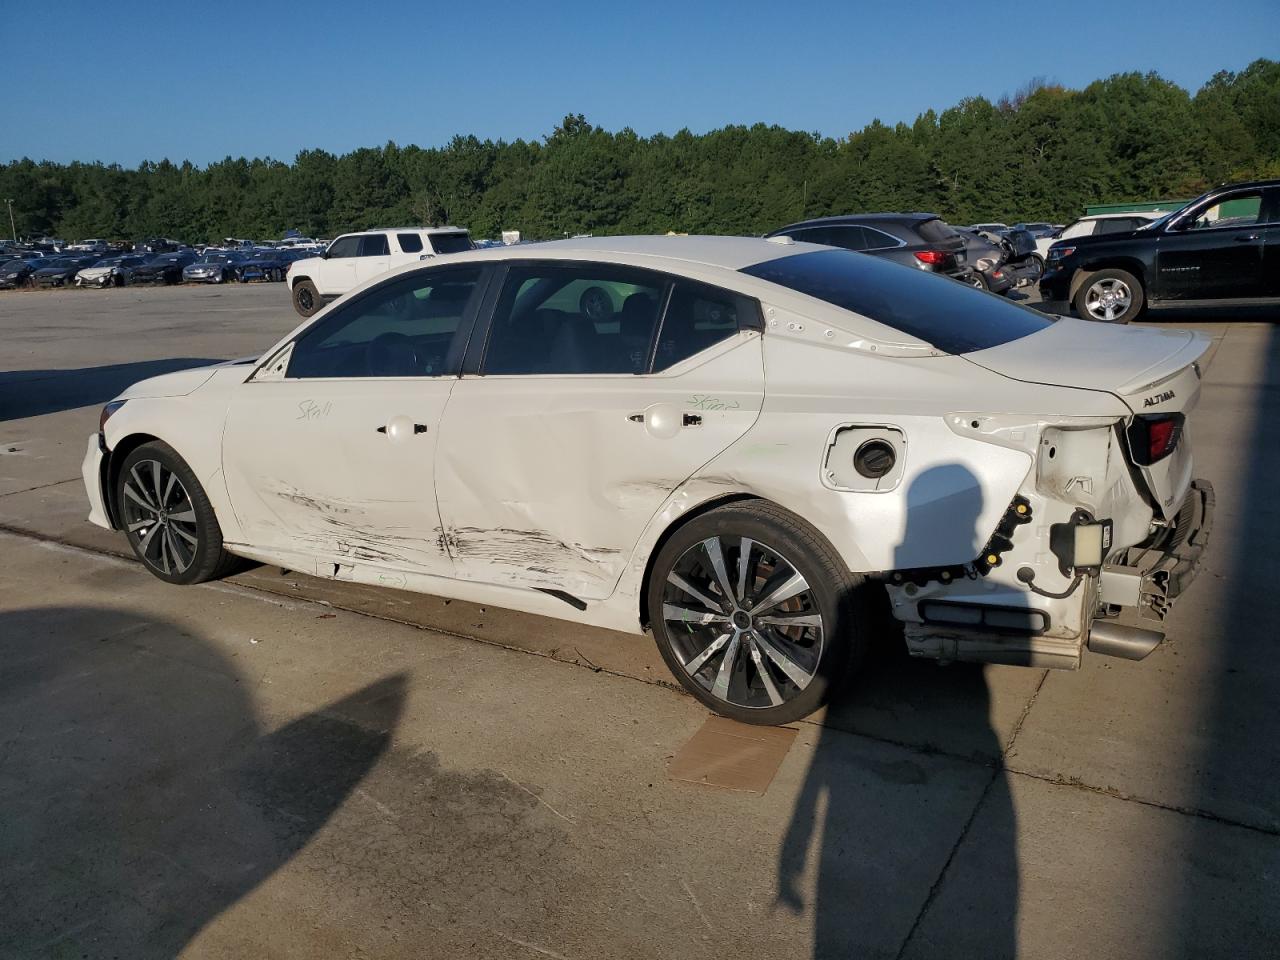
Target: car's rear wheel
{"x": 167, "y": 517}
{"x": 755, "y": 613}
{"x": 1109, "y": 296}
{"x": 306, "y": 298}
{"x": 976, "y": 279}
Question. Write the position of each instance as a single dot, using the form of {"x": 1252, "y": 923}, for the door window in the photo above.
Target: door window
{"x": 405, "y": 328}
{"x": 878, "y": 239}
{"x": 848, "y": 237}
{"x": 1115, "y": 225}
{"x": 1240, "y": 210}
{"x": 344, "y": 247}
{"x": 699, "y": 316}
{"x": 574, "y": 319}
{"x": 409, "y": 242}
{"x": 374, "y": 245}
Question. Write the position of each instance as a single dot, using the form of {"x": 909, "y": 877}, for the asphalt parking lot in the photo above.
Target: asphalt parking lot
{"x": 279, "y": 766}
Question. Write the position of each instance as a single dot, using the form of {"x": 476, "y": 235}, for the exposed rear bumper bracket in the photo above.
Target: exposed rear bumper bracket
{"x": 1172, "y": 560}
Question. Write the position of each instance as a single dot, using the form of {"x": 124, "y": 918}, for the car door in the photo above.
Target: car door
{"x": 329, "y": 447}
{"x": 375, "y": 257}
{"x": 1270, "y": 229}
{"x": 601, "y": 389}
{"x": 337, "y": 271}
{"x": 1213, "y": 251}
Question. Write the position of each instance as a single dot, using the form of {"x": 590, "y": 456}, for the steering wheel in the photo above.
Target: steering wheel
{"x": 392, "y": 355}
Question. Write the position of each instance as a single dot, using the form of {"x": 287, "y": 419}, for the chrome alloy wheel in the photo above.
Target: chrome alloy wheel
{"x": 743, "y": 621}
{"x": 159, "y": 517}
{"x": 1108, "y": 299}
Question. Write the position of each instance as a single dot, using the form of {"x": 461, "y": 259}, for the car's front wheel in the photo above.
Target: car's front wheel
{"x": 306, "y": 298}
{"x": 1109, "y": 296}
{"x": 755, "y": 613}
{"x": 167, "y": 517}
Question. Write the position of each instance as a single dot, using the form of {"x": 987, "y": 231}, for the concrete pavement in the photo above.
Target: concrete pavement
{"x": 281, "y": 766}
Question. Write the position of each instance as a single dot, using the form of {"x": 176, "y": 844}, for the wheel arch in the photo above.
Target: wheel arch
{"x": 1128, "y": 264}
{"x": 688, "y": 517}
{"x": 294, "y": 281}
{"x": 115, "y": 460}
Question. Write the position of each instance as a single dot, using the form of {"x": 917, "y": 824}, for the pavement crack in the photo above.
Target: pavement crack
{"x": 39, "y": 486}
{"x": 1196, "y": 812}
{"x": 936, "y": 886}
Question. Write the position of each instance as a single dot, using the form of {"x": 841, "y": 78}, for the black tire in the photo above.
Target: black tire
{"x": 978, "y": 280}
{"x": 306, "y": 298}
{"x": 1090, "y": 300}
{"x": 183, "y": 513}
{"x": 782, "y": 545}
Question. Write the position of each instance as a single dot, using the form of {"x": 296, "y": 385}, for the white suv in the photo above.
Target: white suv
{"x": 356, "y": 257}
{"x": 1095, "y": 224}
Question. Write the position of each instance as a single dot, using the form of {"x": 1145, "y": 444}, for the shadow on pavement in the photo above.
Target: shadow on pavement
{"x": 33, "y": 393}
{"x": 1235, "y": 755}
{"x": 140, "y": 795}
{"x": 832, "y": 810}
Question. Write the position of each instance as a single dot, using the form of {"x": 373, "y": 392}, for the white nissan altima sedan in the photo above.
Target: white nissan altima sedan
{"x": 740, "y": 445}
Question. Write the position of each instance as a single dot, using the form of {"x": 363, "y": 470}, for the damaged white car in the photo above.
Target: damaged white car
{"x": 740, "y": 445}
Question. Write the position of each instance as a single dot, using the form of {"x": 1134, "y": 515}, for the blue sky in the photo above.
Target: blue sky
{"x": 123, "y": 81}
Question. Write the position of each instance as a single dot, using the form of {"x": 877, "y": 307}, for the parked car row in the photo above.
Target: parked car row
{"x": 167, "y": 267}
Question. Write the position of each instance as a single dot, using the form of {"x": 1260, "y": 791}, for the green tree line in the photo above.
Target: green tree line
{"x": 1041, "y": 154}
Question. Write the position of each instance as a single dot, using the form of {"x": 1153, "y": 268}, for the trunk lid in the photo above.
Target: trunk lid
{"x": 1151, "y": 369}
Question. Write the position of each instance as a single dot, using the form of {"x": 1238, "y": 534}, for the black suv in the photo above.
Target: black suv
{"x": 1223, "y": 247}
{"x": 921, "y": 240}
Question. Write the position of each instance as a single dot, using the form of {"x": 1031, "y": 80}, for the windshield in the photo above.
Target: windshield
{"x": 450, "y": 242}
{"x": 950, "y": 316}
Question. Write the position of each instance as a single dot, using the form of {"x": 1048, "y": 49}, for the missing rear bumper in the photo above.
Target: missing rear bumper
{"x": 1159, "y": 571}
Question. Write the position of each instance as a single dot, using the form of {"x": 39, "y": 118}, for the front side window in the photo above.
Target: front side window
{"x": 1115, "y": 225}
{"x": 375, "y": 245}
{"x": 409, "y": 242}
{"x": 952, "y": 317}
{"x": 344, "y": 247}
{"x": 404, "y": 328}
{"x": 1240, "y": 210}
{"x": 574, "y": 319}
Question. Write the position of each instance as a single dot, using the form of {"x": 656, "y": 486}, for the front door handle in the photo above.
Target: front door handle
{"x": 1246, "y": 237}
{"x": 401, "y": 427}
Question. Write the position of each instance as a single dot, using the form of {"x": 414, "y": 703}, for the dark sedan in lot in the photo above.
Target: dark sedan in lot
{"x": 268, "y": 264}
{"x": 163, "y": 268}
{"x": 1221, "y": 248}
{"x": 921, "y": 240}
{"x": 62, "y": 271}
{"x": 17, "y": 273}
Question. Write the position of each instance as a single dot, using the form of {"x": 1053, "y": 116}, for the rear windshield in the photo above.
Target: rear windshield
{"x": 949, "y": 315}
{"x": 450, "y": 242}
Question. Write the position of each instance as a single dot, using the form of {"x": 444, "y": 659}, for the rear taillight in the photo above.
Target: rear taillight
{"x": 1151, "y": 439}
{"x": 931, "y": 257}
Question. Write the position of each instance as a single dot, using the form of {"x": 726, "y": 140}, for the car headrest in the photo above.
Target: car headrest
{"x": 638, "y": 312}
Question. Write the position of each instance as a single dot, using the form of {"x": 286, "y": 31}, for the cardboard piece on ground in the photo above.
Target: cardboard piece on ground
{"x": 737, "y": 756}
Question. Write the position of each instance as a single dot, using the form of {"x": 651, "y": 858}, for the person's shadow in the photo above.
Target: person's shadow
{"x": 914, "y": 840}
{"x": 140, "y": 793}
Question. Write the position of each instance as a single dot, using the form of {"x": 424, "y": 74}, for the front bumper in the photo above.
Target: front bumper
{"x": 93, "y": 474}
{"x": 1157, "y": 572}
{"x": 1055, "y": 283}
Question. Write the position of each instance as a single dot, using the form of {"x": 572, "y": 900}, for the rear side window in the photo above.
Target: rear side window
{"x": 849, "y": 236}
{"x": 451, "y": 242}
{"x": 583, "y": 318}
{"x": 699, "y": 316}
{"x": 409, "y": 242}
{"x": 374, "y": 245}
{"x": 936, "y": 231}
{"x": 951, "y": 316}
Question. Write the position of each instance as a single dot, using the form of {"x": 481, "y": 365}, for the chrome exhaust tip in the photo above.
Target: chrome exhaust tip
{"x": 1115, "y": 640}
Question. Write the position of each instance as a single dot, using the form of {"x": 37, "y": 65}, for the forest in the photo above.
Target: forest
{"x": 1042, "y": 153}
